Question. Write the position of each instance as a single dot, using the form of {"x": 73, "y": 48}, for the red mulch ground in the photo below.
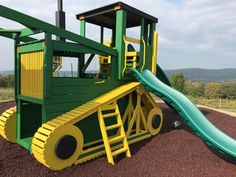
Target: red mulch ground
{"x": 172, "y": 153}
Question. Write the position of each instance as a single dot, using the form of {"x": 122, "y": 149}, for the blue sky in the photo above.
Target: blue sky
{"x": 192, "y": 33}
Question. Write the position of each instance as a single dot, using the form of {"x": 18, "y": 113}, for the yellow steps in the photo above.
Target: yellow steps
{"x": 116, "y": 139}
{"x": 119, "y": 151}
{"x": 120, "y": 137}
{"x": 75, "y": 115}
{"x": 113, "y": 126}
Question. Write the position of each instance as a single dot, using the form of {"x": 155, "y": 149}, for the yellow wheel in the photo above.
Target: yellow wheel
{"x": 8, "y": 125}
{"x": 154, "y": 121}
{"x": 57, "y": 147}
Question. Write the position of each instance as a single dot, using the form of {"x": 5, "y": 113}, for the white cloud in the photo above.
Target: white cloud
{"x": 193, "y": 33}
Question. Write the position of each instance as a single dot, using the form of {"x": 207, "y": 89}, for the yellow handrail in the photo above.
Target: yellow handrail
{"x": 144, "y": 53}
{"x": 54, "y": 74}
{"x": 123, "y": 71}
{"x": 130, "y": 39}
{"x": 154, "y": 52}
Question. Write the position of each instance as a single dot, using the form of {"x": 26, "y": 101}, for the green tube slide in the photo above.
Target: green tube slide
{"x": 202, "y": 127}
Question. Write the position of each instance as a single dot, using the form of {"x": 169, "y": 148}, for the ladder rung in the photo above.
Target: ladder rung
{"x": 116, "y": 139}
{"x": 110, "y": 115}
{"x": 113, "y": 126}
{"x": 108, "y": 107}
{"x": 119, "y": 151}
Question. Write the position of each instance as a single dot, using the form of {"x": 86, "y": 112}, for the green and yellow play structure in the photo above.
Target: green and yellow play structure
{"x": 69, "y": 120}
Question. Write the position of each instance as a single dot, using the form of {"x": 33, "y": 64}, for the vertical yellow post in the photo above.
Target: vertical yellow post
{"x": 154, "y": 53}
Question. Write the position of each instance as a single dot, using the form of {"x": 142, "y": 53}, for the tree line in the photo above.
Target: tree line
{"x": 7, "y": 81}
{"x": 226, "y": 90}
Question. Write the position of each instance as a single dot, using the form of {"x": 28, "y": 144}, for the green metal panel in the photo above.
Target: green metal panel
{"x": 36, "y": 46}
{"x": 73, "y": 47}
{"x": 30, "y": 99}
{"x": 46, "y": 27}
{"x": 13, "y": 35}
{"x": 120, "y": 32}
{"x": 27, "y": 32}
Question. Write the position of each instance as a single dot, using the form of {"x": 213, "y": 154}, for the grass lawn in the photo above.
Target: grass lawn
{"x": 223, "y": 104}
{"x": 6, "y": 94}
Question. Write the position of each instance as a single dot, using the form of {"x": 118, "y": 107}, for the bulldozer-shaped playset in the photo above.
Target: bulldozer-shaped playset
{"x": 69, "y": 120}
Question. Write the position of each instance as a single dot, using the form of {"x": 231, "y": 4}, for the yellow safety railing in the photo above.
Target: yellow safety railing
{"x": 126, "y": 40}
{"x": 154, "y": 53}
{"x": 125, "y": 60}
{"x": 59, "y": 66}
{"x": 144, "y": 53}
{"x": 130, "y": 39}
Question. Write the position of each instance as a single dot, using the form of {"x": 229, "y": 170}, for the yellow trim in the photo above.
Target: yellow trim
{"x": 100, "y": 82}
{"x": 154, "y": 52}
{"x": 8, "y": 125}
{"x": 144, "y": 53}
{"x": 130, "y": 39}
{"x": 137, "y": 116}
{"x": 59, "y": 66}
{"x": 79, "y": 161}
{"x": 120, "y": 136}
{"x": 48, "y": 132}
{"x": 132, "y": 54}
{"x": 150, "y": 118}
{"x": 129, "y": 111}
{"x": 32, "y": 74}
{"x": 44, "y": 141}
{"x": 125, "y": 59}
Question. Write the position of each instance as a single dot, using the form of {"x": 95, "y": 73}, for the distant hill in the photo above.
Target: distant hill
{"x": 206, "y": 75}
{"x": 6, "y": 72}
{"x": 194, "y": 74}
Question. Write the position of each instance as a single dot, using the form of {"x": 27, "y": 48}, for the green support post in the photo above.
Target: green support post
{"x": 47, "y": 71}
{"x": 101, "y": 34}
{"x": 81, "y": 61}
{"x": 142, "y": 35}
{"x": 82, "y": 28}
{"x": 120, "y": 32}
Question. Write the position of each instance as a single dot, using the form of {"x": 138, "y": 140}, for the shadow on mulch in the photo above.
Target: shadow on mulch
{"x": 168, "y": 127}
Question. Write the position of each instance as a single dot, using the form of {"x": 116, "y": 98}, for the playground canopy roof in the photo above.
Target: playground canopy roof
{"x": 106, "y": 16}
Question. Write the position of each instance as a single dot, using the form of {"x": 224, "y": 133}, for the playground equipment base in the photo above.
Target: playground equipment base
{"x": 189, "y": 157}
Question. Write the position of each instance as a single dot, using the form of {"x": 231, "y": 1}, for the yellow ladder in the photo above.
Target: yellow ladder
{"x": 120, "y": 137}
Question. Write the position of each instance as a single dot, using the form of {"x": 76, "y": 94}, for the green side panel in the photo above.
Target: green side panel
{"x": 148, "y": 61}
{"x": 29, "y": 120}
{"x": 202, "y": 127}
{"x": 90, "y": 125}
{"x": 35, "y": 46}
{"x": 68, "y": 93}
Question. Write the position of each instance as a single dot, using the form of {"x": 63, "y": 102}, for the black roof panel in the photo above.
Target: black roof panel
{"x": 106, "y": 15}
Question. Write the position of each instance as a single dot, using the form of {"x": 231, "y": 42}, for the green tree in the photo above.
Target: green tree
{"x": 212, "y": 90}
{"x": 178, "y": 81}
{"x": 228, "y": 90}
{"x": 195, "y": 89}
{"x": 3, "y": 81}
{"x": 7, "y": 81}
